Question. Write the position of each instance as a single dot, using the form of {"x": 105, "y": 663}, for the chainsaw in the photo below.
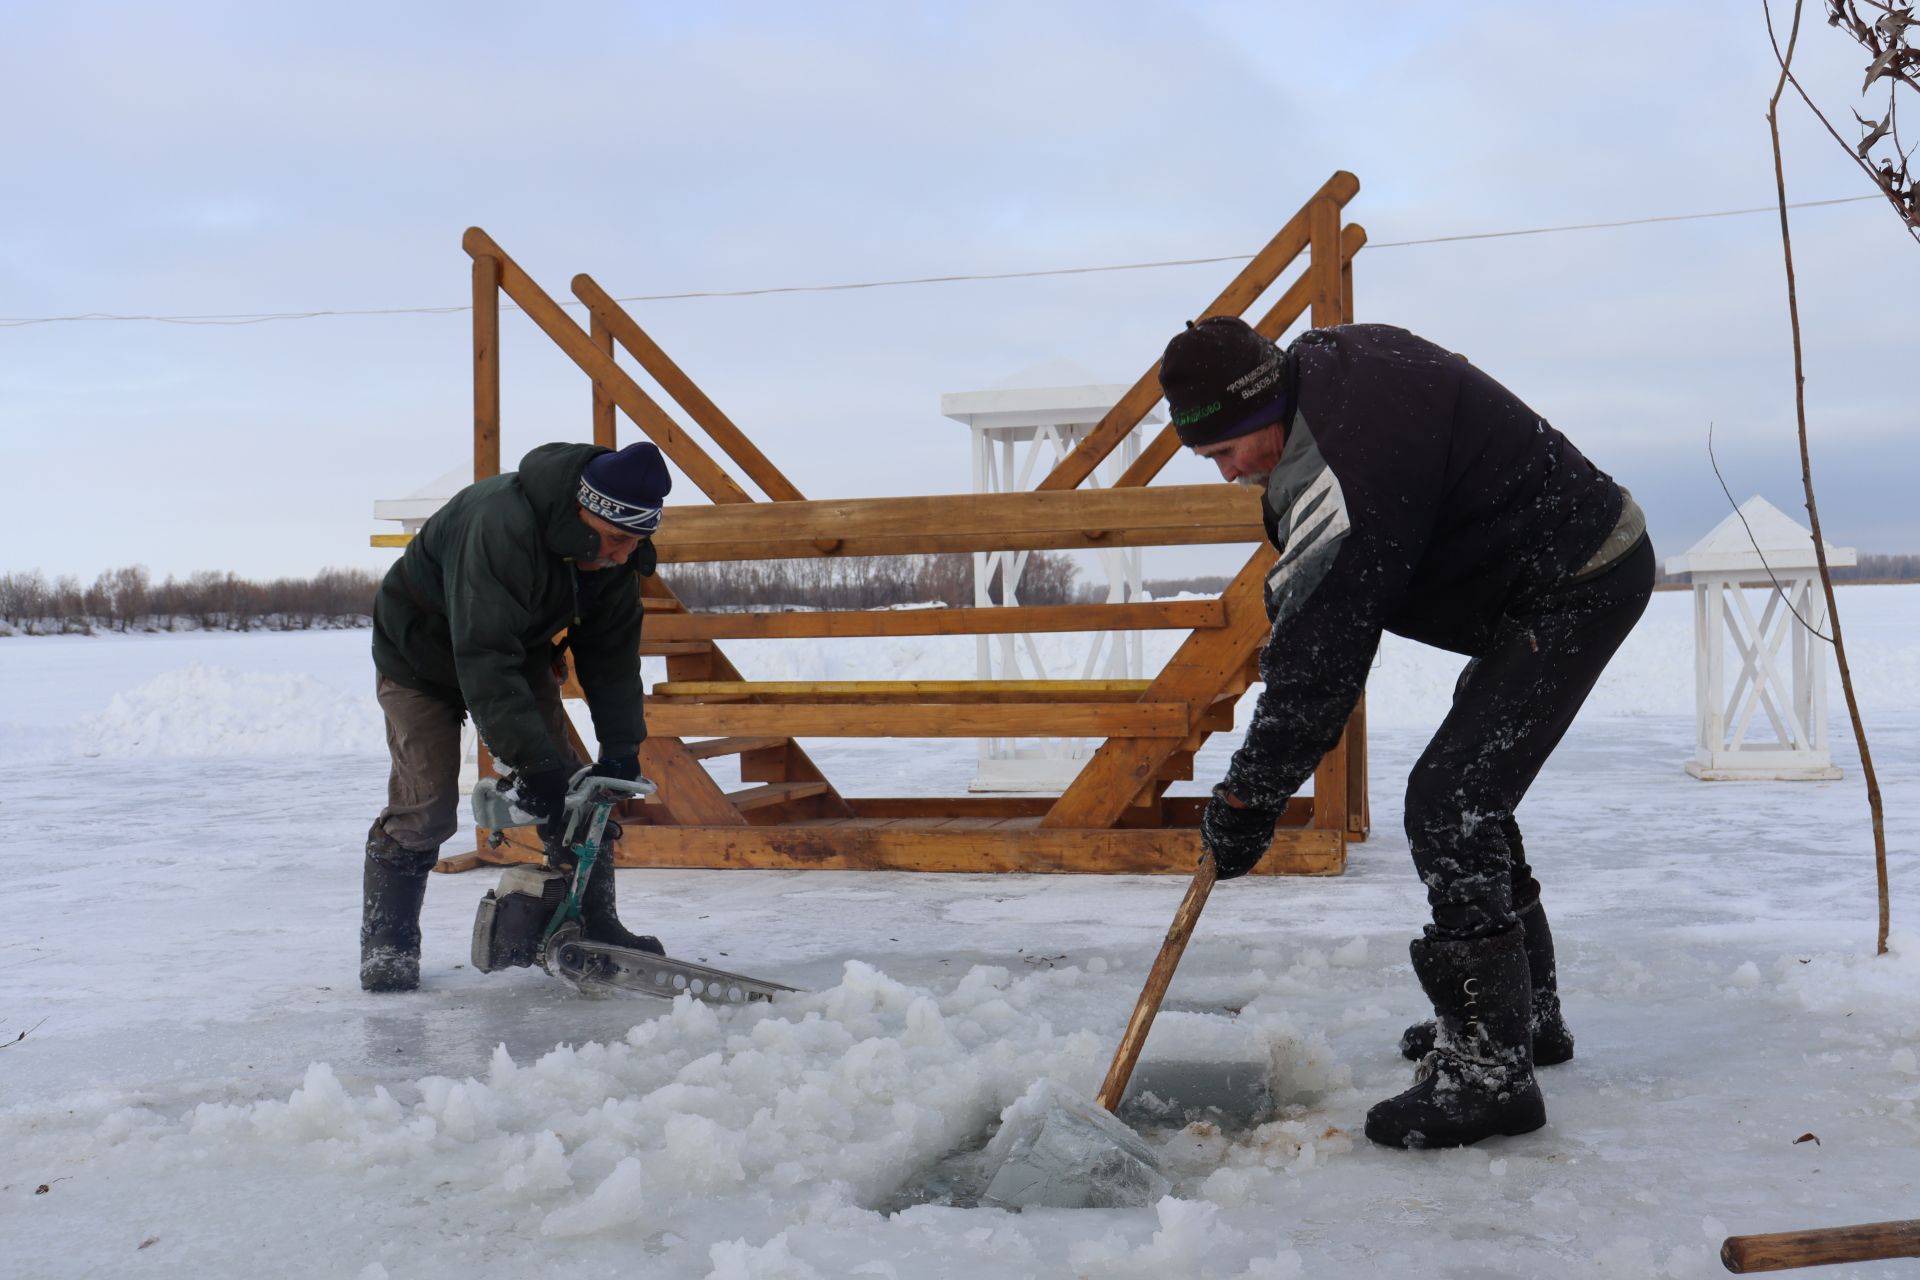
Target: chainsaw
{"x": 532, "y": 917}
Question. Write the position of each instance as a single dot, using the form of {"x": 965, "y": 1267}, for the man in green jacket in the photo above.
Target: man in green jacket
{"x": 465, "y": 624}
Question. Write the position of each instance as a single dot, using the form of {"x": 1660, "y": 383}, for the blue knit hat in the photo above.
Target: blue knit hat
{"x": 628, "y": 487}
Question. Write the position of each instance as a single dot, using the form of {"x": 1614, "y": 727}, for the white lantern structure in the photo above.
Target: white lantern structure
{"x": 1757, "y": 600}
{"x": 1020, "y": 430}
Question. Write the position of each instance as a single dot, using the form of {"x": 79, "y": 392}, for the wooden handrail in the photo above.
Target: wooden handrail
{"x": 1123, "y": 720}
{"x": 692, "y": 460}
{"x": 1291, "y": 306}
{"x": 732, "y": 441}
{"x": 1253, "y": 280}
{"x": 1169, "y": 515}
{"x": 1149, "y": 615}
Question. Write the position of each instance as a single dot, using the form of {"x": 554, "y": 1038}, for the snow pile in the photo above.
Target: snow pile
{"x": 214, "y": 711}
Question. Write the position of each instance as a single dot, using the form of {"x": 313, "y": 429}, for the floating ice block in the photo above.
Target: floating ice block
{"x": 1062, "y": 1151}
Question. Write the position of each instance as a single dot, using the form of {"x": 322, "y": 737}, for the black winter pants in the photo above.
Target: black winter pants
{"x": 1510, "y": 709}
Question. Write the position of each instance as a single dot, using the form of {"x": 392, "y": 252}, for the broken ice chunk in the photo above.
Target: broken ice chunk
{"x": 1058, "y": 1150}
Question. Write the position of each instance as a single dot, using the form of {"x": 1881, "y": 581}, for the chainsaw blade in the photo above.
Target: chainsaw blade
{"x": 598, "y": 968}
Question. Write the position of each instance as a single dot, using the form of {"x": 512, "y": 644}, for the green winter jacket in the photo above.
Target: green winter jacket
{"x": 470, "y": 611}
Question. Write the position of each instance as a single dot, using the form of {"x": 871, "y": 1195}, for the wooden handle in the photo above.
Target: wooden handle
{"x": 1148, "y": 1005}
{"x": 1822, "y": 1246}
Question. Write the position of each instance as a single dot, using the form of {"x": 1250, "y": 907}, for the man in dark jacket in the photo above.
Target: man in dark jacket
{"x": 1407, "y": 491}
{"x": 465, "y": 623}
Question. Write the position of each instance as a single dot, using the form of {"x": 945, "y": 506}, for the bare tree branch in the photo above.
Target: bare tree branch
{"x": 1806, "y": 458}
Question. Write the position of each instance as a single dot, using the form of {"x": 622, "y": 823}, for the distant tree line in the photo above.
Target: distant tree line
{"x": 861, "y": 582}
{"x": 128, "y": 599}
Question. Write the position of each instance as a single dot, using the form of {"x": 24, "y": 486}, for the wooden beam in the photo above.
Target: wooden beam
{"x": 875, "y": 692}
{"x": 715, "y": 748}
{"x": 1323, "y": 267}
{"x": 1161, "y": 516}
{"x": 959, "y": 846}
{"x": 1167, "y": 615}
{"x": 1123, "y": 720}
{"x": 732, "y": 441}
{"x": 604, "y": 433}
{"x": 486, "y": 366}
{"x": 772, "y": 793}
{"x": 685, "y": 453}
{"x": 1278, "y": 319}
{"x": 1253, "y": 280}
{"x": 686, "y": 790}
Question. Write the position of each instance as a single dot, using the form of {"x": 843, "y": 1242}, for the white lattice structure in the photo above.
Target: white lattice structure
{"x": 1018, "y": 434}
{"x": 1734, "y": 569}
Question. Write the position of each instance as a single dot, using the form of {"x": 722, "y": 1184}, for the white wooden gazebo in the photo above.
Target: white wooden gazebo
{"x": 1020, "y": 430}
{"x": 1759, "y": 549}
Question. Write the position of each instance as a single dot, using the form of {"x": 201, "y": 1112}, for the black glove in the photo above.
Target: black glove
{"x": 543, "y": 793}
{"x": 1237, "y": 838}
{"x": 626, "y": 767}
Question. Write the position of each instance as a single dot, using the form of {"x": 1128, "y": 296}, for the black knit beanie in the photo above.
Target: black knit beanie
{"x": 628, "y": 487}
{"x": 1222, "y": 379}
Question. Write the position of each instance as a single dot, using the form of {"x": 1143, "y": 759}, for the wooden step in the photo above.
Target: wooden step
{"x": 772, "y": 793}
{"x": 651, "y": 648}
{"x": 713, "y": 748}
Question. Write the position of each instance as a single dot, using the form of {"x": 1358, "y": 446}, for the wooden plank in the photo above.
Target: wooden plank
{"x": 457, "y": 863}
{"x": 1152, "y": 615}
{"x": 996, "y": 807}
{"x": 900, "y": 845}
{"x": 686, "y": 454}
{"x": 772, "y": 793}
{"x": 1199, "y": 672}
{"x": 1124, "y": 720}
{"x": 1323, "y": 267}
{"x": 1253, "y": 280}
{"x": 486, "y": 366}
{"x": 878, "y": 691}
{"x": 604, "y": 433}
{"x": 653, "y": 647}
{"x": 1169, "y": 515}
{"x": 714, "y": 748}
{"x": 1330, "y": 788}
{"x": 732, "y": 441}
{"x": 1278, "y": 319}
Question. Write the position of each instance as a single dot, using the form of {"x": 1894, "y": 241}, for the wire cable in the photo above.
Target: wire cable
{"x": 263, "y": 317}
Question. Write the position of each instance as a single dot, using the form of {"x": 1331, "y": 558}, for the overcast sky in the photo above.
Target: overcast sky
{"x": 228, "y": 158}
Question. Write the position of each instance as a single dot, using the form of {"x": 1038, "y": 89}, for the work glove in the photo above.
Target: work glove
{"x": 1237, "y": 838}
{"x": 543, "y": 793}
{"x": 624, "y": 767}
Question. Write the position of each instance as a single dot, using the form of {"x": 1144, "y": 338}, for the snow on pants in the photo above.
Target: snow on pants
{"x": 423, "y": 739}
{"x": 1510, "y": 709}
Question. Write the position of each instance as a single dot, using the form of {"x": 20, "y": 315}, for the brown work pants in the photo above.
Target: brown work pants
{"x": 423, "y": 739}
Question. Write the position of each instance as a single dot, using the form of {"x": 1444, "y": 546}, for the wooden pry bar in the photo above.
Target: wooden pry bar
{"x": 1822, "y": 1246}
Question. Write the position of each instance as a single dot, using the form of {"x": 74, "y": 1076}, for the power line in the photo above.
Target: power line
{"x": 263, "y": 317}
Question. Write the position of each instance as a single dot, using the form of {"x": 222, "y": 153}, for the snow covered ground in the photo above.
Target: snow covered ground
{"x": 204, "y": 1091}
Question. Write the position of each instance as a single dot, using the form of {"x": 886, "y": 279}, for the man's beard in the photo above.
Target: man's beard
{"x": 1253, "y": 482}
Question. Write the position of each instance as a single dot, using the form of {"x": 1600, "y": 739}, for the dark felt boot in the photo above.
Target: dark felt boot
{"x": 1552, "y": 1042}
{"x": 393, "y": 885}
{"x": 1478, "y": 1081}
{"x": 599, "y": 921}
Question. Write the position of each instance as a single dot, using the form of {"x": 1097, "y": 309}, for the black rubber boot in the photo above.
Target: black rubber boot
{"x": 1478, "y": 1081}
{"x": 392, "y": 887}
{"x": 1552, "y": 1042}
{"x": 599, "y": 921}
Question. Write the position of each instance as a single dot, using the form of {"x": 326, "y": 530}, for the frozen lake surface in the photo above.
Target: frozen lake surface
{"x": 204, "y": 1091}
